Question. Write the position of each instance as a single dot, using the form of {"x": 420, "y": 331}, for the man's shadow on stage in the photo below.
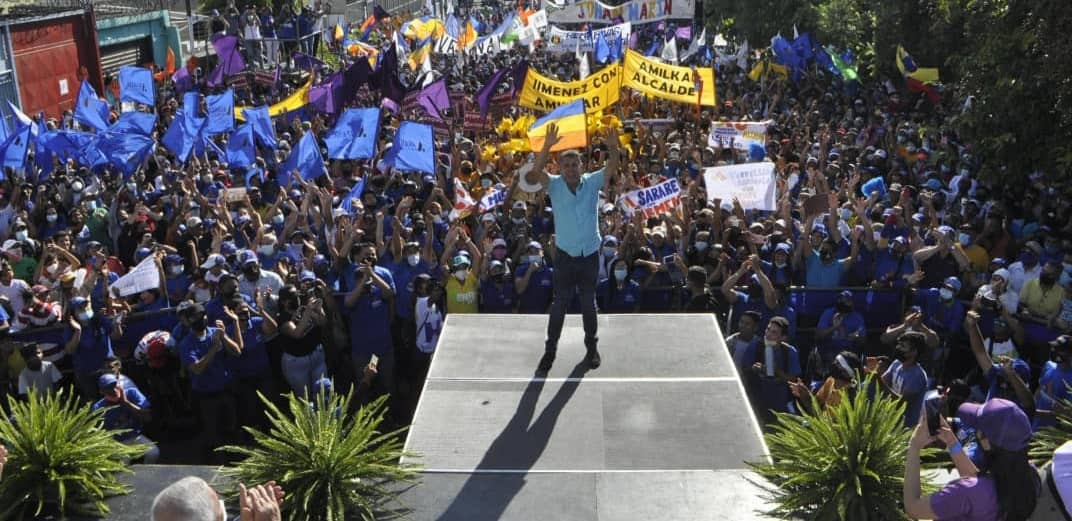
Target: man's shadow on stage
{"x": 518, "y": 447}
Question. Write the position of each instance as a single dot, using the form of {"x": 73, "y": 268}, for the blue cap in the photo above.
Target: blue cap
{"x": 945, "y": 229}
{"x": 228, "y": 248}
{"x": 172, "y": 259}
{"x": 820, "y": 229}
{"x": 918, "y": 217}
{"x": 899, "y": 239}
{"x": 307, "y": 276}
{"x": 952, "y": 282}
{"x": 107, "y": 380}
{"x": 247, "y": 257}
{"x": 846, "y": 293}
{"x": 77, "y": 302}
{"x": 756, "y": 152}
{"x": 933, "y": 184}
{"x": 998, "y": 261}
{"x": 141, "y": 254}
{"x": 783, "y": 247}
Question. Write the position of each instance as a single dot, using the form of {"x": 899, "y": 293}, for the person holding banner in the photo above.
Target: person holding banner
{"x": 575, "y": 204}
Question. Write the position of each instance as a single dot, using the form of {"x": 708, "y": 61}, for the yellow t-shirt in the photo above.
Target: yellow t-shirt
{"x": 978, "y": 258}
{"x": 829, "y": 395}
{"x": 1039, "y": 300}
{"x": 463, "y": 297}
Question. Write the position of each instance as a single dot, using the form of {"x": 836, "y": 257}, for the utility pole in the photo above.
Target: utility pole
{"x": 190, "y": 26}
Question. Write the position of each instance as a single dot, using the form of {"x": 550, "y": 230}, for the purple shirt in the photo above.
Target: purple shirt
{"x": 967, "y": 499}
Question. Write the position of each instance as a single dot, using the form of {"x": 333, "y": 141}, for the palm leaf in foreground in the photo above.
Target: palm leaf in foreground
{"x": 842, "y": 463}
{"x": 332, "y": 465}
{"x": 60, "y": 458}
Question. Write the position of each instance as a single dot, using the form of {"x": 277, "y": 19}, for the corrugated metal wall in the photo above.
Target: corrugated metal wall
{"x": 48, "y": 54}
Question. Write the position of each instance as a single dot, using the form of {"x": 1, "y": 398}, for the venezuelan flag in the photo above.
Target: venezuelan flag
{"x": 467, "y": 38}
{"x": 572, "y": 131}
{"x": 422, "y": 50}
{"x": 907, "y": 65}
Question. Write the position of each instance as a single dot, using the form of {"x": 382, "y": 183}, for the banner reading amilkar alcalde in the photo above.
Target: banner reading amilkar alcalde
{"x": 666, "y": 81}
{"x": 600, "y": 90}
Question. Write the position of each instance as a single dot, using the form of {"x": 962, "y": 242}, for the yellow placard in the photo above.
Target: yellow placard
{"x": 666, "y": 81}
{"x": 293, "y": 102}
{"x": 599, "y": 90}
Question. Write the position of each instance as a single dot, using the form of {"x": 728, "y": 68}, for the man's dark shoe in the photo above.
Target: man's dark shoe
{"x": 593, "y": 359}
{"x": 546, "y": 362}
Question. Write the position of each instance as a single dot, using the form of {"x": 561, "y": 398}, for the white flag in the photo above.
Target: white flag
{"x": 742, "y": 56}
{"x": 696, "y": 45}
{"x": 426, "y": 70}
{"x": 669, "y": 54}
{"x": 582, "y": 62}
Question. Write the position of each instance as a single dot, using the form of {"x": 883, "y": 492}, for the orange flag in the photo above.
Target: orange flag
{"x": 169, "y": 68}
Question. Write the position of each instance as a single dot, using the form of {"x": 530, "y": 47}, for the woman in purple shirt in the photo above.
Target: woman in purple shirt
{"x": 1005, "y": 491}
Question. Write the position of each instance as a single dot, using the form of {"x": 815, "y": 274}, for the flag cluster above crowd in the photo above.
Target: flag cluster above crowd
{"x": 328, "y": 194}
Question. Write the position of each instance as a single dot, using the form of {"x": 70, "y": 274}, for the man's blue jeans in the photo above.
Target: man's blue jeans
{"x": 574, "y": 275}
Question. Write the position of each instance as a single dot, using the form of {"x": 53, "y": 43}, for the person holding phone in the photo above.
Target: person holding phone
{"x": 575, "y": 204}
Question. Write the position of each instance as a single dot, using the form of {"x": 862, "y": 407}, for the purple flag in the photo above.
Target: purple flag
{"x": 389, "y": 104}
{"x": 230, "y": 60}
{"x": 182, "y": 80}
{"x": 305, "y": 62}
{"x": 434, "y": 98}
{"x": 379, "y": 13}
{"x": 386, "y": 77}
{"x": 684, "y": 33}
{"x": 483, "y": 96}
{"x": 518, "y": 76}
{"x": 326, "y": 96}
{"x": 633, "y": 40}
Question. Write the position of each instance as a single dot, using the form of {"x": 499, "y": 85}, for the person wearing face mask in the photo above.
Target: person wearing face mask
{"x": 21, "y": 258}
{"x": 54, "y": 222}
{"x": 893, "y": 266}
{"x": 39, "y": 374}
{"x": 978, "y": 258}
{"x": 759, "y": 297}
{"x": 1006, "y": 376}
{"x": 368, "y": 307}
{"x": 497, "y": 292}
{"x": 518, "y": 228}
{"x": 87, "y": 339}
{"x": 252, "y": 369}
{"x": 227, "y": 289}
{"x": 842, "y": 381}
{"x": 607, "y": 253}
{"x": 822, "y": 267}
{"x": 1007, "y": 489}
{"x": 779, "y": 270}
{"x": 943, "y": 310}
{"x": 697, "y": 297}
{"x": 905, "y": 379}
{"x": 176, "y": 281}
{"x": 14, "y": 290}
{"x": 618, "y": 294}
{"x": 1041, "y": 298}
{"x": 840, "y": 328}
{"x": 533, "y": 281}
{"x": 774, "y": 364}
{"x": 201, "y": 352}
{"x": 254, "y": 278}
{"x": 412, "y": 261}
{"x": 1027, "y": 266}
{"x": 942, "y": 260}
{"x": 462, "y": 286}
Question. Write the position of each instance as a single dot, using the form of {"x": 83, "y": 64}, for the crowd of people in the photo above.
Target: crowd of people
{"x": 942, "y": 282}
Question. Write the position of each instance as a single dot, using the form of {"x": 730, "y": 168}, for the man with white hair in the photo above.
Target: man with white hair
{"x": 193, "y": 499}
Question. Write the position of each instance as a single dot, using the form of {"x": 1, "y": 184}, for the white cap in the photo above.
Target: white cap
{"x": 213, "y": 260}
{"x": 498, "y": 243}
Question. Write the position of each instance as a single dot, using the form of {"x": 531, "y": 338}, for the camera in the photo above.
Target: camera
{"x": 933, "y": 403}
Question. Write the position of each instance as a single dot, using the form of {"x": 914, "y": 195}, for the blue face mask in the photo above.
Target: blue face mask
{"x": 1029, "y": 259}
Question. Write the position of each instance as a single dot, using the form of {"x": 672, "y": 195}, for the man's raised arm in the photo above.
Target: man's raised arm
{"x": 538, "y": 174}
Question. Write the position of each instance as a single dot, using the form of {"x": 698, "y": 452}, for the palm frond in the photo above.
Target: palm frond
{"x": 61, "y": 458}
{"x": 1048, "y": 439}
{"x": 333, "y": 465}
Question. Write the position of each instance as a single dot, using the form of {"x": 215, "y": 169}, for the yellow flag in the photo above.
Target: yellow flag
{"x": 655, "y": 78}
{"x": 293, "y": 102}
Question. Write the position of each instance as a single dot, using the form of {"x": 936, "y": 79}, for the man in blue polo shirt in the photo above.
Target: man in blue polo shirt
{"x": 201, "y": 353}
{"x": 575, "y": 203}
{"x": 368, "y": 307}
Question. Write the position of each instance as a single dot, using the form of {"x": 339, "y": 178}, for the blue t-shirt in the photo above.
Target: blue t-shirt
{"x": 943, "y": 317}
{"x": 839, "y": 340}
{"x": 1053, "y": 387}
{"x": 891, "y": 269}
{"x": 370, "y": 318}
{"x": 658, "y": 296}
{"x": 254, "y": 358}
{"x": 117, "y": 417}
{"x": 404, "y": 275}
{"x": 94, "y": 346}
{"x": 177, "y": 287}
{"x": 911, "y": 384}
{"x": 216, "y": 375}
{"x": 96, "y": 295}
{"x": 576, "y": 213}
{"x": 495, "y": 299}
{"x": 214, "y": 307}
{"x": 537, "y": 295}
{"x": 819, "y": 275}
{"x": 621, "y": 300}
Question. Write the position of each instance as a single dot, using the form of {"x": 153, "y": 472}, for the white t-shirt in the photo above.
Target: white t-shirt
{"x": 429, "y": 324}
{"x": 41, "y": 381}
{"x": 268, "y": 280}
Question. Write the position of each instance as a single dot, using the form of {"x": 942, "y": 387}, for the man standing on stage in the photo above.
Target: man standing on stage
{"x": 574, "y": 202}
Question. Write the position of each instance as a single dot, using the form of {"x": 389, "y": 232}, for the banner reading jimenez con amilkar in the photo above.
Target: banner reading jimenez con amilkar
{"x": 666, "y": 81}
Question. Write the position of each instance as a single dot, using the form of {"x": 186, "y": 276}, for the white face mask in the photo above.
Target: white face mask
{"x": 202, "y": 295}
{"x": 945, "y": 294}
{"x": 533, "y": 259}
{"x": 278, "y": 219}
{"x": 460, "y": 275}
{"x": 701, "y": 245}
{"x": 620, "y": 275}
{"x": 609, "y": 252}
{"x": 20, "y": 235}
{"x": 878, "y": 236}
{"x": 518, "y": 220}
{"x": 412, "y": 260}
{"x": 52, "y": 218}
{"x": 266, "y": 249}
{"x": 965, "y": 239}
{"x": 845, "y": 213}
{"x": 84, "y": 316}
{"x": 178, "y": 270}
{"x": 779, "y": 265}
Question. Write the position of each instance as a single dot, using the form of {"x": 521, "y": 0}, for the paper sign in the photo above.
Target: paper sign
{"x": 653, "y": 201}
{"x": 143, "y": 277}
{"x": 753, "y": 184}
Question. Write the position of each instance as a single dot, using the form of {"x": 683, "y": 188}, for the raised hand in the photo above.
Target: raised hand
{"x": 552, "y": 137}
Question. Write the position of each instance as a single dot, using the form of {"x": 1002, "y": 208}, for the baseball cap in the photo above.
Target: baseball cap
{"x": 141, "y": 254}
{"x": 783, "y": 247}
{"x": 247, "y": 257}
{"x": 952, "y": 282}
{"x": 1001, "y": 272}
{"x": 213, "y": 260}
{"x": 498, "y": 243}
{"x": 461, "y": 260}
{"x": 193, "y": 222}
{"x": 534, "y": 244}
{"x": 172, "y": 259}
{"x": 107, "y": 380}
{"x": 307, "y": 276}
{"x": 488, "y": 217}
{"x": 1034, "y": 247}
{"x": 610, "y": 240}
{"x": 37, "y": 289}
{"x": 1001, "y": 421}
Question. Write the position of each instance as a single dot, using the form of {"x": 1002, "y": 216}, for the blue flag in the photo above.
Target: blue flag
{"x": 413, "y": 148}
{"x": 354, "y": 135}
{"x": 240, "y": 150}
{"x": 353, "y": 195}
{"x": 136, "y": 84}
{"x": 125, "y": 150}
{"x": 220, "y": 112}
{"x": 65, "y": 143}
{"x": 22, "y": 121}
{"x": 653, "y": 49}
{"x": 616, "y": 46}
{"x": 603, "y": 51}
{"x": 305, "y": 158}
{"x": 135, "y": 121}
{"x": 42, "y": 157}
{"x": 254, "y": 172}
{"x": 263, "y": 130}
{"x": 14, "y": 149}
{"x": 183, "y": 135}
{"x": 89, "y": 109}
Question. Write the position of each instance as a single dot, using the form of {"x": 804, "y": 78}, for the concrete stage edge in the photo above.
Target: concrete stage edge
{"x": 660, "y": 431}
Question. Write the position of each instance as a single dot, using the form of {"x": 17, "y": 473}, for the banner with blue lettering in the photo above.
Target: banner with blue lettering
{"x": 656, "y": 200}
{"x": 493, "y": 199}
{"x": 136, "y": 84}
